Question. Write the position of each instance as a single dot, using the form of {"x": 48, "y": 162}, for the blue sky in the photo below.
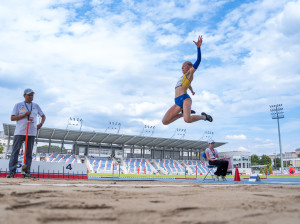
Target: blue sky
{"x": 120, "y": 60}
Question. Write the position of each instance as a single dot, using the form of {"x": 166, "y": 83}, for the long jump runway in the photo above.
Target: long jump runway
{"x": 276, "y": 181}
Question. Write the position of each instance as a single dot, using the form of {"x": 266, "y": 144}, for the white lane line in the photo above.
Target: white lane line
{"x": 130, "y": 185}
{"x": 103, "y": 185}
{"x": 225, "y": 185}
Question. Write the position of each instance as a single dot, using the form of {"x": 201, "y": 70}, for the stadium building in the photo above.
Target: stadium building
{"x": 241, "y": 159}
{"x": 135, "y": 154}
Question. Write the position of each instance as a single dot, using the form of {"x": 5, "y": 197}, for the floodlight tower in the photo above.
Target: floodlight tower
{"x": 277, "y": 113}
{"x": 75, "y": 121}
{"x": 207, "y": 135}
{"x": 114, "y": 125}
{"x": 179, "y": 132}
{"x": 147, "y": 129}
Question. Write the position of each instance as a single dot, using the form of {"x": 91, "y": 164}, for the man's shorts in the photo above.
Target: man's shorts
{"x": 179, "y": 100}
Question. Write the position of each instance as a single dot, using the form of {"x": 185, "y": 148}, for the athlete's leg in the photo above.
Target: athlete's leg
{"x": 172, "y": 114}
{"x": 188, "y": 118}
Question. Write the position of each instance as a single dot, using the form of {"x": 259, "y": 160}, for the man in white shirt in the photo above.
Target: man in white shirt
{"x": 213, "y": 159}
{"x": 23, "y": 112}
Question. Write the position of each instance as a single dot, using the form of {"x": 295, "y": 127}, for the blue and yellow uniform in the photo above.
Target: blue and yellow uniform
{"x": 185, "y": 82}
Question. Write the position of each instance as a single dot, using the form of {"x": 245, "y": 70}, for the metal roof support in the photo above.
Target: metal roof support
{"x": 117, "y": 139}
{"x": 139, "y": 140}
{"x": 129, "y": 140}
{"x": 181, "y": 153}
{"x": 149, "y": 143}
{"x": 79, "y": 136}
{"x": 132, "y": 149}
{"x": 63, "y": 141}
{"x": 105, "y": 138}
{"x": 158, "y": 145}
{"x": 92, "y": 137}
{"x": 173, "y": 153}
{"x": 173, "y": 143}
{"x": 113, "y": 152}
{"x": 50, "y": 140}
{"x": 151, "y": 153}
{"x": 8, "y": 145}
{"x": 37, "y": 136}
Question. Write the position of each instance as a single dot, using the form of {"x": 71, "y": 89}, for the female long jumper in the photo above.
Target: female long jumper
{"x": 183, "y": 102}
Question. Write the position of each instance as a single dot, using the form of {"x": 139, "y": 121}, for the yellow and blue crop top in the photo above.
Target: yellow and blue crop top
{"x": 184, "y": 81}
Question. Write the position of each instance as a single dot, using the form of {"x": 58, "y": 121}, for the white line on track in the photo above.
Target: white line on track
{"x": 131, "y": 185}
{"x": 104, "y": 185}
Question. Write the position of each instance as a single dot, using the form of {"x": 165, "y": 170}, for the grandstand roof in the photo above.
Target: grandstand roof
{"x": 108, "y": 138}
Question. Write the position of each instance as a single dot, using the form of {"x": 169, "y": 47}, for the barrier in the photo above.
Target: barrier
{"x": 41, "y": 169}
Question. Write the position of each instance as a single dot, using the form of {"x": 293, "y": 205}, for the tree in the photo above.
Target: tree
{"x": 266, "y": 170}
{"x": 270, "y": 169}
{"x": 52, "y": 146}
{"x": 1, "y": 148}
{"x": 277, "y": 162}
{"x": 261, "y": 170}
{"x": 265, "y": 160}
{"x": 254, "y": 160}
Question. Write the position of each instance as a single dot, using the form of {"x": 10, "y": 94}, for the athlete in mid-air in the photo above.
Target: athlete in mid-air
{"x": 183, "y": 102}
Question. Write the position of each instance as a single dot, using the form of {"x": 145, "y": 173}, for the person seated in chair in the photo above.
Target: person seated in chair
{"x": 213, "y": 159}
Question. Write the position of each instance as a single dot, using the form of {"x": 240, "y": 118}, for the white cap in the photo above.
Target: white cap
{"x": 211, "y": 141}
{"x": 28, "y": 91}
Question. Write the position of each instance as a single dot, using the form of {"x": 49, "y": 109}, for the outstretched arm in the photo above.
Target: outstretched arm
{"x": 198, "y": 44}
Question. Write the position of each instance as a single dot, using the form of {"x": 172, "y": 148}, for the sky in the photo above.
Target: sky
{"x": 118, "y": 61}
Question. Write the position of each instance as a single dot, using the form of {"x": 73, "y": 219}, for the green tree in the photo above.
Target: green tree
{"x": 1, "y": 148}
{"x": 265, "y": 160}
{"x": 261, "y": 170}
{"x": 266, "y": 170}
{"x": 254, "y": 160}
{"x": 52, "y": 146}
{"x": 270, "y": 170}
{"x": 277, "y": 162}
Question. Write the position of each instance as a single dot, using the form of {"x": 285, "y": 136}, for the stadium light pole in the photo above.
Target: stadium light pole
{"x": 147, "y": 129}
{"x": 277, "y": 113}
{"x": 179, "y": 132}
{"x": 114, "y": 125}
{"x": 75, "y": 121}
{"x": 207, "y": 135}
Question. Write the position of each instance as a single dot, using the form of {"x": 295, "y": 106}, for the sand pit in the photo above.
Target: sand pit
{"x": 81, "y": 201}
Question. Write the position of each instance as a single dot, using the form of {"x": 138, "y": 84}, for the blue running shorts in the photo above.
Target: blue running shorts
{"x": 179, "y": 100}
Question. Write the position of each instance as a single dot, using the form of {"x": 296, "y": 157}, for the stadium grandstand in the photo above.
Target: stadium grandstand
{"x": 107, "y": 152}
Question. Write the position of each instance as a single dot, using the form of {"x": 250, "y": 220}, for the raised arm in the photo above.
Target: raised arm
{"x": 198, "y": 44}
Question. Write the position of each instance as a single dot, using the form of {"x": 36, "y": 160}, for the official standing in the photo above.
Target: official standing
{"x": 22, "y": 112}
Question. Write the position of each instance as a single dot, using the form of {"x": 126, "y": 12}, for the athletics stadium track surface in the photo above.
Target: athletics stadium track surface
{"x": 278, "y": 181}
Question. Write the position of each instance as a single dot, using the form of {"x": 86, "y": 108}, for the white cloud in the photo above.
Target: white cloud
{"x": 123, "y": 62}
{"x": 242, "y": 149}
{"x": 236, "y": 137}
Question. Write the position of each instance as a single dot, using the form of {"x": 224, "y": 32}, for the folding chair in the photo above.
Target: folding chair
{"x": 210, "y": 169}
